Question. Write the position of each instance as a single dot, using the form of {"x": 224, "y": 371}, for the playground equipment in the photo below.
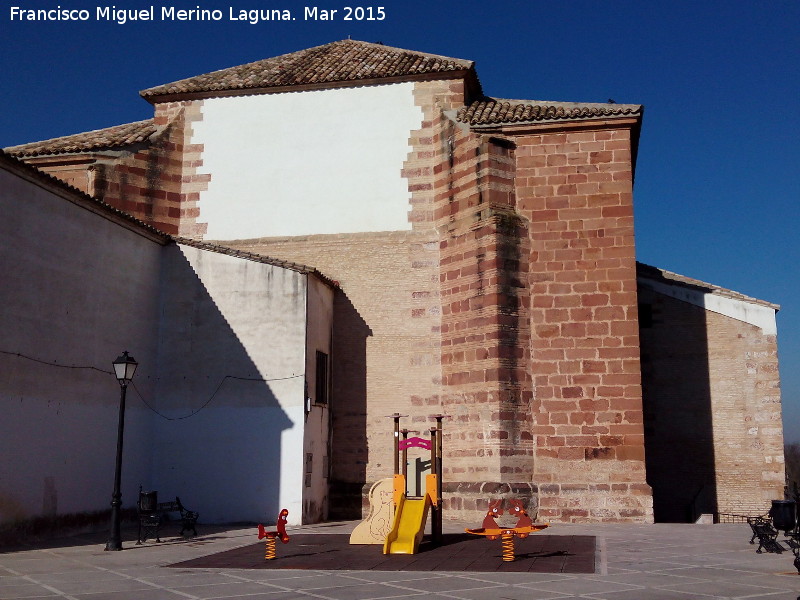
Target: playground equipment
{"x": 378, "y": 524}
{"x": 491, "y": 530}
{"x": 411, "y": 512}
{"x": 270, "y": 552}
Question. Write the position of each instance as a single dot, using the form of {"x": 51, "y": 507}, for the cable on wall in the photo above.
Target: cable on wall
{"x": 138, "y": 393}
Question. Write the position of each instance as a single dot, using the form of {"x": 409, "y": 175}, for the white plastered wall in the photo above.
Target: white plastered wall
{"x": 323, "y": 161}
{"x": 231, "y": 384}
{"x": 317, "y": 419}
{"x": 77, "y": 290}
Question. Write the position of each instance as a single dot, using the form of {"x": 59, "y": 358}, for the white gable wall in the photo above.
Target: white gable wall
{"x": 326, "y": 161}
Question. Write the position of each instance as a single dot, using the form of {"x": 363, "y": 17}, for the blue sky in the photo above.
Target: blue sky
{"x": 717, "y": 187}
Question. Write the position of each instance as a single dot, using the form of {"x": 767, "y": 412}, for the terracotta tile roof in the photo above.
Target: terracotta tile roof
{"x": 497, "y": 111}
{"x": 118, "y": 136}
{"x": 337, "y": 62}
{"x": 654, "y": 273}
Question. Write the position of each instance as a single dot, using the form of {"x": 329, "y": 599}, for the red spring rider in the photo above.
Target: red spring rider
{"x": 271, "y": 535}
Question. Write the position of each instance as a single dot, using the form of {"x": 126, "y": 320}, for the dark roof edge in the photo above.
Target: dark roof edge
{"x": 72, "y": 194}
{"x": 252, "y": 256}
{"x": 669, "y": 278}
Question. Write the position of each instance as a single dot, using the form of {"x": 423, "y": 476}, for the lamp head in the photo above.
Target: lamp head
{"x": 124, "y": 368}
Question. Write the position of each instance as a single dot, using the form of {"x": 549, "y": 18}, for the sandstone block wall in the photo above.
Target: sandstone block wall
{"x": 575, "y": 189}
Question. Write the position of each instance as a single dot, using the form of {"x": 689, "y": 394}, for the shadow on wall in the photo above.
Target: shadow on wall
{"x": 220, "y": 448}
{"x": 679, "y": 445}
{"x": 349, "y": 451}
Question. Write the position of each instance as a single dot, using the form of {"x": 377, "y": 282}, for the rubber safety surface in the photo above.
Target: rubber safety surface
{"x": 458, "y": 552}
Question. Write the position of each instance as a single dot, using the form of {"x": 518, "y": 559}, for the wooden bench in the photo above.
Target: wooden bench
{"x": 766, "y": 535}
{"x": 151, "y": 519}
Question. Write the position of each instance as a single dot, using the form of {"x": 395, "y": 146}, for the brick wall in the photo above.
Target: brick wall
{"x": 77, "y": 171}
{"x": 160, "y": 183}
{"x": 748, "y": 433}
{"x": 575, "y": 189}
{"x": 485, "y": 329}
{"x": 712, "y": 412}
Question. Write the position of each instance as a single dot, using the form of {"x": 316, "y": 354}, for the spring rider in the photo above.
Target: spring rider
{"x": 271, "y": 535}
{"x": 491, "y": 530}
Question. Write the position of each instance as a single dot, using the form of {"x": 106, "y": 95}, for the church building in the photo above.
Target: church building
{"x": 477, "y": 259}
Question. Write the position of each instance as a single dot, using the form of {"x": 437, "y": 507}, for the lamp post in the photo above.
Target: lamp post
{"x": 124, "y": 368}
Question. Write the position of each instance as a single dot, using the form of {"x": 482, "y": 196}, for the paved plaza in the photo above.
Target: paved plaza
{"x": 631, "y": 562}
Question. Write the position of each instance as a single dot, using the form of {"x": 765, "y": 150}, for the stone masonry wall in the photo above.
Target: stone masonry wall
{"x": 485, "y": 329}
{"x": 575, "y": 189}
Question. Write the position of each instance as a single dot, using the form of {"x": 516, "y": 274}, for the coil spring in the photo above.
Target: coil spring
{"x": 270, "y": 548}
{"x": 508, "y": 547}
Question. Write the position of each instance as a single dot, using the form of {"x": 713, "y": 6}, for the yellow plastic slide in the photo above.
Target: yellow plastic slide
{"x": 408, "y": 527}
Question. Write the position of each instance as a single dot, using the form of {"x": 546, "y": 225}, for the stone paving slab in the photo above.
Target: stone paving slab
{"x": 631, "y": 562}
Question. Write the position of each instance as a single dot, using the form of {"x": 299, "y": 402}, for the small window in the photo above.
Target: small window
{"x": 322, "y": 378}
{"x": 645, "y": 316}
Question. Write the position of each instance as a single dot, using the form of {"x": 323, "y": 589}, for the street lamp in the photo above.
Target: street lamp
{"x": 124, "y": 368}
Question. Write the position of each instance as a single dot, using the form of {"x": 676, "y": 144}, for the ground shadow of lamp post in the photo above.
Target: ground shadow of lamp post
{"x": 124, "y": 368}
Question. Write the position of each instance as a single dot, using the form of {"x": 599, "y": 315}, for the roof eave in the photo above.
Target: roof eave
{"x": 472, "y": 83}
{"x": 252, "y": 256}
{"x": 76, "y": 144}
{"x": 521, "y": 127}
{"x": 645, "y": 271}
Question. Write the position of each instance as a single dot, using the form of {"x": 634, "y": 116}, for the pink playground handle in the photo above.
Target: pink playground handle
{"x": 414, "y": 442}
